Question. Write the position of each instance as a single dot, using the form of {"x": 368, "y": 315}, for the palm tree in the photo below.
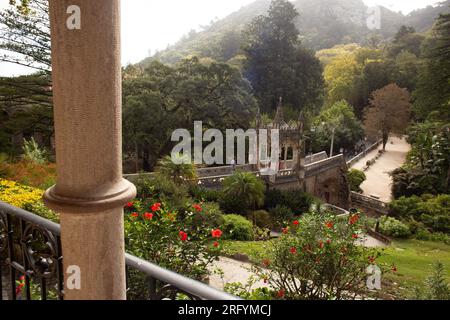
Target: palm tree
{"x": 182, "y": 173}
{"x": 245, "y": 188}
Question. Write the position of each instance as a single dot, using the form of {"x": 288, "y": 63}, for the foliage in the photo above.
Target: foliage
{"x": 184, "y": 173}
{"x": 276, "y": 65}
{"x": 428, "y": 163}
{"x": 210, "y": 216}
{"x": 40, "y": 176}
{"x": 341, "y": 119}
{"x": 355, "y": 178}
{"x": 436, "y": 286}
{"x": 388, "y": 113}
{"x": 18, "y": 195}
{"x": 262, "y": 219}
{"x": 25, "y": 43}
{"x": 241, "y": 192}
{"x": 432, "y": 211}
{"x": 236, "y": 227}
{"x": 297, "y": 201}
{"x": 27, "y": 198}
{"x": 281, "y": 215}
{"x": 159, "y": 188}
{"x": 33, "y": 153}
{"x": 161, "y": 99}
{"x": 203, "y": 194}
{"x": 394, "y": 228}
{"x": 318, "y": 258}
{"x": 161, "y": 235}
{"x": 433, "y": 90}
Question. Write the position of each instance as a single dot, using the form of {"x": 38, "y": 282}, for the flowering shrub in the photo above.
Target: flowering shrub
{"x": 170, "y": 239}
{"x": 18, "y": 195}
{"x": 318, "y": 257}
{"x": 27, "y": 198}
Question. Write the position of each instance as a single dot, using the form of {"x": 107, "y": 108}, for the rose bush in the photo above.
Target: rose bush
{"x": 170, "y": 239}
{"x": 318, "y": 257}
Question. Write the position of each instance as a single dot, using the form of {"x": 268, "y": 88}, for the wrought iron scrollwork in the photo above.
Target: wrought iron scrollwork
{"x": 39, "y": 247}
{"x": 3, "y": 233}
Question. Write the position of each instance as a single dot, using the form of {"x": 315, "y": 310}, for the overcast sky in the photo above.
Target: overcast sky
{"x": 149, "y": 25}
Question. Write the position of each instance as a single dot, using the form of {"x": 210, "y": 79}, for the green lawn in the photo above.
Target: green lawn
{"x": 413, "y": 259}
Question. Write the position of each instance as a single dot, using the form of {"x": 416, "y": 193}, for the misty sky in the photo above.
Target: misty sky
{"x": 152, "y": 25}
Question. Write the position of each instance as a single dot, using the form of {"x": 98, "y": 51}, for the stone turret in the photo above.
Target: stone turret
{"x": 278, "y": 121}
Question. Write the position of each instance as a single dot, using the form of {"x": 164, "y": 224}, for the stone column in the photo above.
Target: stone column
{"x": 90, "y": 192}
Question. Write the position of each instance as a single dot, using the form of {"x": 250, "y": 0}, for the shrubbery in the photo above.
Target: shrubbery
{"x": 317, "y": 257}
{"x": 236, "y": 227}
{"x": 171, "y": 239}
{"x": 281, "y": 215}
{"x": 355, "y": 179}
{"x": 432, "y": 211}
{"x": 394, "y": 228}
{"x": 297, "y": 201}
{"x": 262, "y": 219}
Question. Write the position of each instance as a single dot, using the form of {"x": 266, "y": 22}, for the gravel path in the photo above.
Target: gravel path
{"x": 378, "y": 181}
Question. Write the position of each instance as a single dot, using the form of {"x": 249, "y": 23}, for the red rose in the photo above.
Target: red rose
{"x": 321, "y": 244}
{"x": 293, "y": 250}
{"x": 296, "y": 223}
{"x": 129, "y": 205}
{"x": 329, "y": 225}
{"x": 353, "y": 219}
{"x": 216, "y": 233}
{"x": 148, "y": 216}
{"x": 215, "y": 244}
{"x": 135, "y": 214}
{"x": 183, "y": 236}
{"x": 197, "y": 207}
{"x": 328, "y": 241}
{"x": 266, "y": 262}
{"x": 156, "y": 207}
{"x": 355, "y": 236}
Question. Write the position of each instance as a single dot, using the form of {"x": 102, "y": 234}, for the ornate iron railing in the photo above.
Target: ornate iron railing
{"x": 31, "y": 265}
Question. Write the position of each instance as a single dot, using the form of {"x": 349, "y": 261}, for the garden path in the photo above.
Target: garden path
{"x": 378, "y": 181}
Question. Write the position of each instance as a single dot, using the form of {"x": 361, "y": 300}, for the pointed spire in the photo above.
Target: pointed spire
{"x": 258, "y": 120}
{"x": 279, "y": 116}
{"x": 301, "y": 121}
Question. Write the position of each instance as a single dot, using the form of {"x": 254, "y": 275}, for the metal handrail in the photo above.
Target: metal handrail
{"x": 184, "y": 284}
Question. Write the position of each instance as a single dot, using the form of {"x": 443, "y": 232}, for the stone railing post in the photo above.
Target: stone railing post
{"x": 90, "y": 192}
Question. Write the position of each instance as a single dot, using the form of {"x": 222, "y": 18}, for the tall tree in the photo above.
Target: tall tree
{"x": 276, "y": 64}
{"x": 389, "y": 112}
{"x": 165, "y": 98}
{"x": 433, "y": 89}
{"x": 25, "y": 34}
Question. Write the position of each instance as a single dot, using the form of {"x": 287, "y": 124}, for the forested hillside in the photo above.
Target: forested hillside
{"x": 321, "y": 23}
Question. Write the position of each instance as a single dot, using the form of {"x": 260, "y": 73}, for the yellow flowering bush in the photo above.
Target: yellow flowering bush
{"x": 18, "y": 195}
{"x": 25, "y": 197}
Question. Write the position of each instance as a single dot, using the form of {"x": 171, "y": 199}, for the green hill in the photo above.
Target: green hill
{"x": 322, "y": 24}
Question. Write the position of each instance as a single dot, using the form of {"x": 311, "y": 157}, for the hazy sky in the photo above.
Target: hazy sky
{"x": 149, "y": 25}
